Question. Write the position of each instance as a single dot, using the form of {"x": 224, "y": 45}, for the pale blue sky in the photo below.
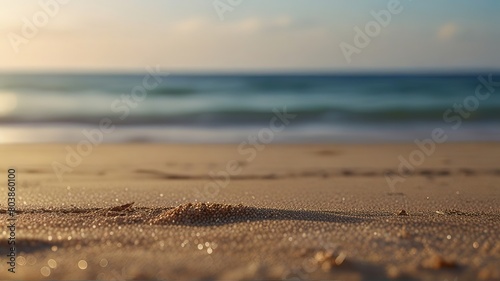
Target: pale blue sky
{"x": 288, "y": 35}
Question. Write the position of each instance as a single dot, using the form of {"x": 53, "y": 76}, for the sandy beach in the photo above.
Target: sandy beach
{"x": 294, "y": 212}
{"x": 250, "y": 140}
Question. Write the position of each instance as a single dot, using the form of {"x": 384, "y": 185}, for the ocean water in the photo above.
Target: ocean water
{"x": 232, "y": 108}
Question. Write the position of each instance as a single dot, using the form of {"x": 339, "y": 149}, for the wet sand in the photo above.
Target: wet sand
{"x": 295, "y": 212}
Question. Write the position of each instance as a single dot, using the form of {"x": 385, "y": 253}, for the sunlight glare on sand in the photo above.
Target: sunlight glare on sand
{"x": 6, "y": 134}
{"x": 21, "y": 134}
{"x": 8, "y": 102}
{"x": 82, "y": 264}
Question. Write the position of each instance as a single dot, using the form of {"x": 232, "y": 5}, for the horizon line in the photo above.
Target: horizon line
{"x": 237, "y": 72}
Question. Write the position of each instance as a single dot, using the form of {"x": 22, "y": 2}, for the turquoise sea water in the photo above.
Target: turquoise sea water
{"x": 229, "y": 108}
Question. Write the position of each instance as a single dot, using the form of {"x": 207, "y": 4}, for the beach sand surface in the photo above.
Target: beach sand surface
{"x": 288, "y": 212}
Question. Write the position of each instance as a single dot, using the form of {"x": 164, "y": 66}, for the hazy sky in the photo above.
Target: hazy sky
{"x": 255, "y": 35}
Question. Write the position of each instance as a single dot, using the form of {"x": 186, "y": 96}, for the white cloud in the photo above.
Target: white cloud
{"x": 189, "y": 25}
{"x": 447, "y": 31}
{"x": 283, "y": 21}
{"x": 249, "y": 25}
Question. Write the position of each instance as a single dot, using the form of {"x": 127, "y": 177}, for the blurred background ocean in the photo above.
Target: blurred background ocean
{"x": 227, "y": 71}
{"x": 230, "y": 108}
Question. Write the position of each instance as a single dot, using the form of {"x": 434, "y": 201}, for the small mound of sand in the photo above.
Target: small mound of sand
{"x": 403, "y": 213}
{"x": 206, "y": 213}
{"x": 328, "y": 259}
{"x": 438, "y": 262}
{"x": 122, "y": 207}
